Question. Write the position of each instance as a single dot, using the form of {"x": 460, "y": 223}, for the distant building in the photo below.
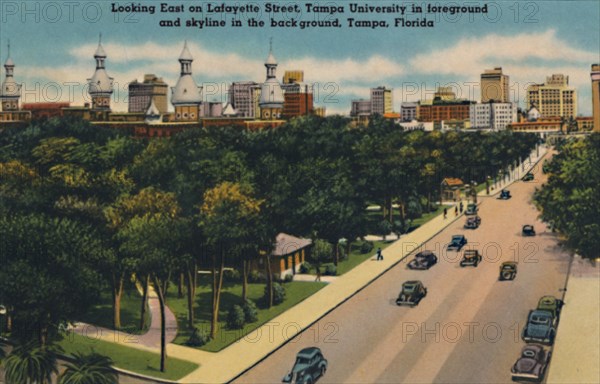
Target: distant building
{"x": 244, "y": 97}
{"x": 439, "y": 110}
{"x": 293, "y": 76}
{"x": 10, "y": 93}
{"x": 595, "y": 75}
{"x": 271, "y": 94}
{"x": 381, "y": 100}
{"x": 553, "y": 98}
{"x": 298, "y": 97}
{"x": 45, "y": 110}
{"x": 360, "y": 108}
{"x": 408, "y": 111}
{"x": 494, "y": 86}
{"x": 186, "y": 96}
{"x": 152, "y": 89}
{"x": 444, "y": 94}
{"x": 100, "y": 84}
{"x": 495, "y": 116}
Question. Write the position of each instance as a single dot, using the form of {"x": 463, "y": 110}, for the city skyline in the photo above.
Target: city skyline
{"x": 418, "y": 61}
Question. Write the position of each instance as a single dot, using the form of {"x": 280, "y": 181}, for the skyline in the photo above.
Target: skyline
{"x": 343, "y": 69}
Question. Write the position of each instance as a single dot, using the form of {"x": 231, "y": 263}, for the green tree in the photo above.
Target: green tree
{"x": 91, "y": 368}
{"x": 31, "y": 363}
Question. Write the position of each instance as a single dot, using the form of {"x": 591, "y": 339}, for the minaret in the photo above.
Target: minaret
{"x": 186, "y": 96}
{"x": 271, "y": 94}
{"x": 100, "y": 85}
{"x": 11, "y": 91}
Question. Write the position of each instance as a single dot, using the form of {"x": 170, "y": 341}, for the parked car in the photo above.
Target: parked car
{"x": 457, "y": 242}
{"x": 508, "y": 271}
{"x": 528, "y": 177}
{"x": 550, "y": 304}
{"x": 528, "y": 230}
{"x": 532, "y": 364}
{"x": 471, "y": 209}
{"x": 423, "y": 260}
{"x": 472, "y": 222}
{"x": 504, "y": 194}
{"x": 412, "y": 293}
{"x": 310, "y": 365}
{"x": 470, "y": 257}
{"x": 540, "y": 327}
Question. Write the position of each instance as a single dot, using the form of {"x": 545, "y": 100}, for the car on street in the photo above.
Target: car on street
{"x": 550, "y": 304}
{"x": 412, "y": 293}
{"x": 471, "y": 257}
{"x": 310, "y": 365}
{"x": 540, "y": 327}
{"x": 504, "y": 194}
{"x": 457, "y": 242}
{"x": 528, "y": 230}
{"x": 472, "y": 222}
{"x": 532, "y": 364}
{"x": 508, "y": 271}
{"x": 423, "y": 260}
{"x": 471, "y": 209}
{"x": 528, "y": 177}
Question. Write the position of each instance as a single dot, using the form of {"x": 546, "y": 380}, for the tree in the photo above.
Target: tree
{"x": 90, "y": 368}
{"x": 31, "y": 363}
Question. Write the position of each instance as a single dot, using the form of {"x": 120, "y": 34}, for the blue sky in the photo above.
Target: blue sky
{"x": 53, "y": 43}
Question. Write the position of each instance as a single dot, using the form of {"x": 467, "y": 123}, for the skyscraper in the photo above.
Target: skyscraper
{"x": 381, "y": 100}
{"x": 244, "y": 96}
{"x": 141, "y": 95}
{"x": 553, "y": 98}
{"x": 596, "y": 95}
{"x": 494, "y": 86}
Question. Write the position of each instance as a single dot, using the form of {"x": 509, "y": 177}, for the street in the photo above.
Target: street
{"x": 468, "y": 327}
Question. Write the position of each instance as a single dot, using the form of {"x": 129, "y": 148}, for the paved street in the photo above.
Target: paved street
{"x": 467, "y": 329}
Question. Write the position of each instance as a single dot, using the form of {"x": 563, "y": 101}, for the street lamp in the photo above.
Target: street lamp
{"x": 474, "y": 188}
{"x": 487, "y": 185}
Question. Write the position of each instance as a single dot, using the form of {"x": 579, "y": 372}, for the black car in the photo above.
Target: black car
{"x": 471, "y": 209}
{"x": 457, "y": 242}
{"x": 471, "y": 257}
{"x": 423, "y": 260}
{"x": 472, "y": 222}
{"x": 310, "y": 365}
{"x": 528, "y": 230}
{"x": 532, "y": 364}
{"x": 412, "y": 293}
{"x": 504, "y": 194}
{"x": 508, "y": 271}
{"x": 528, "y": 177}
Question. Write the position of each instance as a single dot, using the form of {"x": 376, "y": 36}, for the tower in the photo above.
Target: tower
{"x": 100, "y": 85}
{"x": 271, "y": 94}
{"x": 494, "y": 86}
{"x": 186, "y": 96}
{"x": 11, "y": 91}
{"x": 596, "y": 96}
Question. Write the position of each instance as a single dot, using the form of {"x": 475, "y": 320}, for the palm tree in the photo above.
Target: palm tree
{"x": 92, "y": 368}
{"x": 31, "y": 363}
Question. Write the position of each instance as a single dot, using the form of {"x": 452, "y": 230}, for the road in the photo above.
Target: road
{"x": 467, "y": 329}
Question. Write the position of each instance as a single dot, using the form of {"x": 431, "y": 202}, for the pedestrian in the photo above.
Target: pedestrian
{"x": 461, "y": 206}
{"x": 455, "y": 210}
{"x": 379, "y": 254}
{"x": 318, "y": 273}
{"x": 445, "y": 212}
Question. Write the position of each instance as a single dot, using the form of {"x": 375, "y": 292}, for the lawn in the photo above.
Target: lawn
{"x": 131, "y": 359}
{"x": 231, "y": 294}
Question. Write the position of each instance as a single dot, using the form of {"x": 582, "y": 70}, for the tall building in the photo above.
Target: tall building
{"x": 553, "y": 98}
{"x": 244, "y": 96}
{"x": 596, "y": 95}
{"x": 100, "y": 85}
{"x": 298, "y": 97}
{"x": 495, "y": 116}
{"x": 186, "y": 96}
{"x": 381, "y": 100}
{"x": 11, "y": 91}
{"x": 494, "y": 86}
{"x": 408, "y": 111}
{"x": 360, "y": 108}
{"x": 271, "y": 94}
{"x": 293, "y": 76}
{"x": 152, "y": 90}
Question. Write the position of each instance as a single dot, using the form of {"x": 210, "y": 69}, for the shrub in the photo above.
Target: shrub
{"x": 330, "y": 270}
{"x": 236, "y": 317}
{"x": 250, "y": 311}
{"x": 232, "y": 275}
{"x": 198, "y": 338}
{"x": 322, "y": 251}
{"x": 366, "y": 247}
{"x": 256, "y": 277}
{"x": 305, "y": 267}
{"x": 288, "y": 278}
{"x": 278, "y": 294}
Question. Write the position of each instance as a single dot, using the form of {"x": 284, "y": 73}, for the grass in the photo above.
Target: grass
{"x": 416, "y": 223}
{"x": 356, "y": 257}
{"x": 231, "y": 294}
{"x": 131, "y": 359}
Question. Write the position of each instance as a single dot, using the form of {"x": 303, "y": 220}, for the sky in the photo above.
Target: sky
{"x": 53, "y": 42}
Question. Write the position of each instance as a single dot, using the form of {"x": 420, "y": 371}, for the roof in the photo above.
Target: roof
{"x": 286, "y": 244}
{"x": 186, "y": 91}
{"x": 311, "y": 351}
{"x": 185, "y": 53}
{"x": 452, "y": 181}
{"x": 100, "y": 51}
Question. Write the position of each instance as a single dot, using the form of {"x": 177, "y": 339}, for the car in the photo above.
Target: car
{"x": 470, "y": 257}
{"x": 471, "y": 209}
{"x": 528, "y": 230}
{"x": 504, "y": 194}
{"x": 532, "y": 364}
{"x": 423, "y": 260}
{"x": 528, "y": 177}
{"x": 457, "y": 242}
{"x": 550, "y": 304}
{"x": 472, "y": 222}
{"x": 412, "y": 293}
{"x": 540, "y": 327}
{"x": 310, "y": 365}
{"x": 508, "y": 271}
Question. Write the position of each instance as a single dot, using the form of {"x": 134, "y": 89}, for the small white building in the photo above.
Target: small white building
{"x": 494, "y": 116}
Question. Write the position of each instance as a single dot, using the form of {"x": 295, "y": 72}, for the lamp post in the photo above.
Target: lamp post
{"x": 487, "y": 185}
{"x": 474, "y": 190}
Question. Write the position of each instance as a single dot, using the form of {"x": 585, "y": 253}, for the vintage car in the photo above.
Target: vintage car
{"x": 550, "y": 304}
{"x": 412, "y": 293}
{"x": 504, "y": 194}
{"x": 471, "y": 209}
{"x": 532, "y": 364}
{"x": 423, "y": 260}
{"x": 470, "y": 257}
{"x": 540, "y": 327}
{"x": 310, "y": 365}
{"x": 508, "y": 271}
{"x": 528, "y": 230}
{"x": 528, "y": 177}
{"x": 457, "y": 242}
{"x": 472, "y": 222}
